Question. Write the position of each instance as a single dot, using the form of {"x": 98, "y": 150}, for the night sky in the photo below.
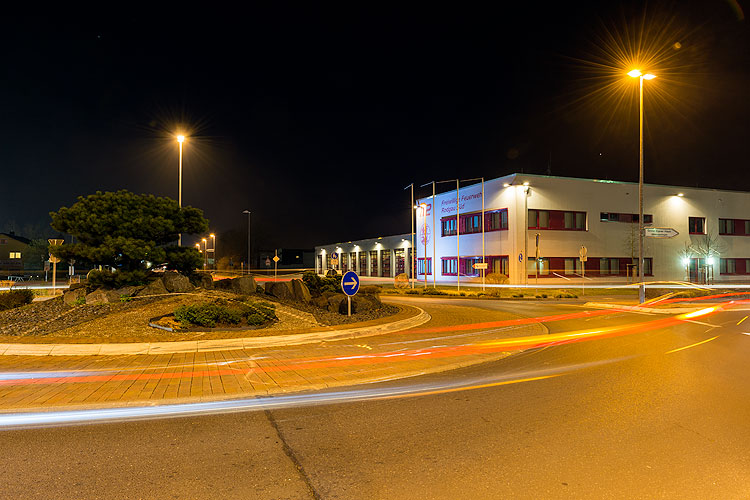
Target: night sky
{"x": 315, "y": 119}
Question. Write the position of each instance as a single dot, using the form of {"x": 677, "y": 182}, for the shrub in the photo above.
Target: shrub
{"x": 434, "y": 291}
{"x": 224, "y": 313}
{"x": 116, "y": 279}
{"x": 15, "y": 298}
{"x": 412, "y": 291}
{"x": 82, "y": 301}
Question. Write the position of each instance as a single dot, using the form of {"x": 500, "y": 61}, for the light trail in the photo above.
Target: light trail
{"x": 11, "y": 421}
{"x": 691, "y": 345}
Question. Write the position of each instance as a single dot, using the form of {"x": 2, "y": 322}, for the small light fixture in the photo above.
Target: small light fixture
{"x": 526, "y": 183}
{"x": 680, "y": 195}
{"x": 505, "y": 185}
{"x": 685, "y": 261}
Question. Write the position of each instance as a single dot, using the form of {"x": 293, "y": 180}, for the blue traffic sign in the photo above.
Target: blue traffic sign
{"x": 350, "y": 283}
{"x": 334, "y": 256}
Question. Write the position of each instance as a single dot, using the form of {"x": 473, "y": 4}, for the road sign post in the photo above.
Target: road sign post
{"x": 276, "y": 260}
{"x": 536, "y": 262}
{"x": 350, "y": 286}
{"x": 54, "y": 243}
{"x": 481, "y": 266}
{"x": 583, "y": 256}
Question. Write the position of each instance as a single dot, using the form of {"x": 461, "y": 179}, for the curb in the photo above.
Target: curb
{"x": 674, "y": 310}
{"x": 211, "y": 345}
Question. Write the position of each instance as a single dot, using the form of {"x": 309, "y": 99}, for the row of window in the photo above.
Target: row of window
{"x": 728, "y": 227}
{"x": 734, "y": 266}
{"x": 595, "y": 266}
{"x": 15, "y": 255}
{"x": 494, "y": 220}
{"x": 557, "y": 219}
{"x": 618, "y": 217}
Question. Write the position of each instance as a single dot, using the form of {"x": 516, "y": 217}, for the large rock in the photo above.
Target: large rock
{"x": 244, "y": 285}
{"x": 128, "y": 291}
{"x": 71, "y": 296}
{"x": 156, "y": 287}
{"x": 280, "y": 289}
{"x": 300, "y": 291}
{"x": 336, "y": 302}
{"x": 177, "y": 283}
{"x": 102, "y": 296}
{"x": 207, "y": 282}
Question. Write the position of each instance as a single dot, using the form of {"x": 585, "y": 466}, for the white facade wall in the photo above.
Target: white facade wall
{"x": 602, "y": 239}
{"x": 385, "y": 247}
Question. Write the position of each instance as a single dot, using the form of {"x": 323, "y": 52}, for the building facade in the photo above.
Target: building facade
{"x": 528, "y": 227}
{"x": 12, "y": 250}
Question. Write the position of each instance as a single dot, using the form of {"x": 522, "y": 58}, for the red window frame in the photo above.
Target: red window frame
{"x": 420, "y": 272}
{"x": 556, "y": 220}
{"x": 592, "y": 267}
{"x": 739, "y": 227}
{"x": 690, "y": 225}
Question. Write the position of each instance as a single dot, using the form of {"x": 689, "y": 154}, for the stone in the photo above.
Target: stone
{"x": 225, "y": 284}
{"x": 280, "y": 289}
{"x": 156, "y": 287}
{"x": 207, "y": 282}
{"x": 300, "y": 291}
{"x": 75, "y": 286}
{"x": 129, "y": 291}
{"x": 175, "y": 282}
{"x": 71, "y": 296}
{"x": 102, "y": 296}
{"x": 244, "y": 285}
{"x": 336, "y": 302}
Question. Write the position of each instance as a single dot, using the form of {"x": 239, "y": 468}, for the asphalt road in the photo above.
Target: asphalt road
{"x": 622, "y": 417}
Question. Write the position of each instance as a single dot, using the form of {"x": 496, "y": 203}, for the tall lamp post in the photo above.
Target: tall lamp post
{"x": 180, "y": 140}
{"x": 213, "y": 249}
{"x": 249, "y": 245}
{"x": 641, "y": 272}
{"x": 423, "y": 207}
{"x": 411, "y": 248}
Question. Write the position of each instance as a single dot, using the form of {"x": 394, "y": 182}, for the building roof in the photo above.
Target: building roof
{"x": 14, "y": 236}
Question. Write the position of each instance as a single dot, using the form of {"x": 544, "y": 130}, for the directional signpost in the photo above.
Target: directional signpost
{"x": 350, "y": 286}
{"x": 276, "y": 260}
{"x": 660, "y": 232}
{"x": 54, "y": 243}
{"x": 583, "y": 255}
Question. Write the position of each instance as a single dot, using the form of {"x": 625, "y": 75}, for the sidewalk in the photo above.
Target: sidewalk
{"x": 326, "y": 360}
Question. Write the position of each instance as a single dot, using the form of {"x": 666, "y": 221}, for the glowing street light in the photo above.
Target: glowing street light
{"x": 636, "y": 73}
{"x": 180, "y": 140}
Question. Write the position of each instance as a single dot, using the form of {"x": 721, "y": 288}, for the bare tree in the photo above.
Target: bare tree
{"x": 708, "y": 247}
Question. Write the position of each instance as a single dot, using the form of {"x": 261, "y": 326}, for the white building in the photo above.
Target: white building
{"x": 566, "y": 213}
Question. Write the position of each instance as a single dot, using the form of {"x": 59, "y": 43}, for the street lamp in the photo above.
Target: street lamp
{"x": 423, "y": 207}
{"x": 249, "y": 245}
{"x": 641, "y": 272}
{"x": 180, "y": 140}
{"x": 213, "y": 248}
{"x": 205, "y": 252}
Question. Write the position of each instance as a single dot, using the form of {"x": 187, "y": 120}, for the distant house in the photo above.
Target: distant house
{"x": 12, "y": 249}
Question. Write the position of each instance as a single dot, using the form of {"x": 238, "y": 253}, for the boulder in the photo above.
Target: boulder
{"x": 74, "y": 286}
{"x": 156, "y": 287}
{"x": 128, "y": 291}
{"x": 102, "y": 296}
{"x": 207, "y": 282}
{"x": 71, "y": 296}
{"x": 300, "y": 291}
{"x": 244, "y": 285}
{"x": 175, "y": 282}
{"x": 225, "y": 284}
{"x": 337, "y": 303}
{"x": 280, "y": 289}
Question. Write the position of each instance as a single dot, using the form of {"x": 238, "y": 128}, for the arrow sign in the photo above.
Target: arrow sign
{"x": 350, "y": 283}
{"x": 660, "y": 232}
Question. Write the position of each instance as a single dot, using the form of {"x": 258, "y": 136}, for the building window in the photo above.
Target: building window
{"x": 15, "y": 255}
{"x": 620, "y": 217}
{"x": 448, "y": 226}
{"x": 557, "y": 219}
{"x": 3, "y": 241}
{"x": 421, "y": 266}
{"x": 385, "y": 258}
{"x": 726, "y": 226}
{"x": 373, "y": 262}
{"x": 448, "y": 266}
{"x": 497, "y": 264}
{"x": 399, "y": 255}
{"x": 496, "y": 220}
{"x": 362, "y": 263}
{"x": 471, "y": 223}
{"x": 736, "y": 227}
{"x": 697, "y": 225}
{"x": 353, "y": 260}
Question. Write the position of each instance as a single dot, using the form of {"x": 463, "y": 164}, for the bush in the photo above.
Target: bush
{"x": 116, "y": 279}
{"x": 412, "y": 291}
{"x": 434, "y": 291}
{"x": 225, "y": 313}
{"x": 15, "y": 298}
{"x": 318, "y": 284}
